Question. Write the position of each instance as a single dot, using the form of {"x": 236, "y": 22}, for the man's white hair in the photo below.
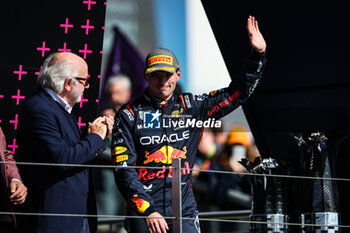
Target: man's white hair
{"x": 119, "y": 79}
{"x": 55, "y": 71}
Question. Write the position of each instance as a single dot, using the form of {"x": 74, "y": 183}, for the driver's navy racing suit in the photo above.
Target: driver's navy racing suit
{"x": 150, "y": 133}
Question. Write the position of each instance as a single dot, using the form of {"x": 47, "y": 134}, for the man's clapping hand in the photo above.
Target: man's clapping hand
{"x": 102, "y": 126}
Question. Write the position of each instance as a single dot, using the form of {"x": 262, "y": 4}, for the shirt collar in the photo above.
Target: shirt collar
{"x": 157, "y": 102}
{"x": 59, "y": 100}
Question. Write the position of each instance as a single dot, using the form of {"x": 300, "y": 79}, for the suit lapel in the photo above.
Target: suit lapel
{"x": 72, "y": 122}
{"x": 75, "y": 123}
{"x": 70, "y": 118}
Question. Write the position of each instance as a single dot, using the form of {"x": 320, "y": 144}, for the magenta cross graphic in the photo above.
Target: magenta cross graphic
{"x": 18, "y": 97}
{"x": 20, "y": 72}
{"x": 64, "y": 49}
{"x": 87, "y": 26}
{"x": 89, "y": 2}
{"x": 43, "y": 49}
{"x": 37, "y": 73}
{"x": 13, "y": 146}
{"x": 15, "y": 121}
{"x": 66, "y": 26}
{"x": 80, "y": 123}
{"x": 82, "y": 101}
{"x": 85, "y": 51}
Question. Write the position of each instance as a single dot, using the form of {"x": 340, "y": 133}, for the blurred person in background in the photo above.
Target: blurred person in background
{"x": 109, "y": 200}
{"x": 118, "y": 92}
{"x": 211, "y": 141}
{"x": 220, "y": 136}
{"x": 235, "y": 188}
{"x": 205, "y": 183}
{"x": 239, "y": 145}
{"x": 232, "y": 191}
{"x": 12, "y": 190}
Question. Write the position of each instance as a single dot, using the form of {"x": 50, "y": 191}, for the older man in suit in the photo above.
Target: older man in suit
{"x": 48, "y": 133}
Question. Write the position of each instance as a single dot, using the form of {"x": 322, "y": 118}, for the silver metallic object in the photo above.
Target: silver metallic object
{"x": 325, "y": 222}
{"x": 275, "y": 223}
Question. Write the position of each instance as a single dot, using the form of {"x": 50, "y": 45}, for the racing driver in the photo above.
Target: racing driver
{"x": 152, "y": 130}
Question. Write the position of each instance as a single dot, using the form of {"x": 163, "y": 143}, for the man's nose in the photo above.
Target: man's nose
{"x": 164, "y": 79}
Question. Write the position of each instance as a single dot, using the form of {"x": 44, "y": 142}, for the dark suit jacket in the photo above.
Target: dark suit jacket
{"x": 49, "y": 134}
{"x": 7, "y": 173}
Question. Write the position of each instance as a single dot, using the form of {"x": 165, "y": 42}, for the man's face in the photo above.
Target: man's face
{"x": 79, "y": 87}
{"x": 161, "y": 84}
{"x": 119, "y": 94}
{"x": 78, "y": 90}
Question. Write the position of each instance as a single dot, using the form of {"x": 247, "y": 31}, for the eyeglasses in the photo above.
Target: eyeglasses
{"x": 81, "y": 80}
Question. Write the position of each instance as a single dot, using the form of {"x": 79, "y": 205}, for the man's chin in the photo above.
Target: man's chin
{"x": 78, "y": 100}
{"x": 161, "y": 94}
{"x": 165, "y": 96}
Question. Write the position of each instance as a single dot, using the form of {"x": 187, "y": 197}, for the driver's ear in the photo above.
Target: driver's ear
{"x": 178, "y": 72}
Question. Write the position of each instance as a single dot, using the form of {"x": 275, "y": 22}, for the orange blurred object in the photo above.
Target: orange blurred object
{"x": 239, "y": 135}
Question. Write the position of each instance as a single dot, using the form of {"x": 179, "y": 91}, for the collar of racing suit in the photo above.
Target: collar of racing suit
{"x": 157, "y": 103}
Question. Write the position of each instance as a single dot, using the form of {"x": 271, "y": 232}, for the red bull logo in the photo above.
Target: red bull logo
{"x": 165, "y": 155}
{"x": 177, "y": 113}
{"x": 145, "y": 174}
{"x": 140, "y": 204}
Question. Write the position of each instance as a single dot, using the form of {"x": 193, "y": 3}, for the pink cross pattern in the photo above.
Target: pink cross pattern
{"x": 64, "y": 49}
{"x": 13, "y": 146}
{"x": 80, "y": 123}
{"x": 43, "y": 49}
{"x": 20, "y": 72}
{"x": 85, "y": 51}
{"x": 99, "y": 76}
{"x": 87, "y": 26}
{"x": 97, "y": 100}
{"x": 15, "y": 121}
{"x": 101, "y": 51}
{"x": 89, "y": 2}
{"x": 1, "y": 96}
{"x": 66, "y": 26}
{"x": 82, "y": 101}
{"x": 37, "y": 73}
{"x": 103, "y": 27}
{"x": 18, "y": 97}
